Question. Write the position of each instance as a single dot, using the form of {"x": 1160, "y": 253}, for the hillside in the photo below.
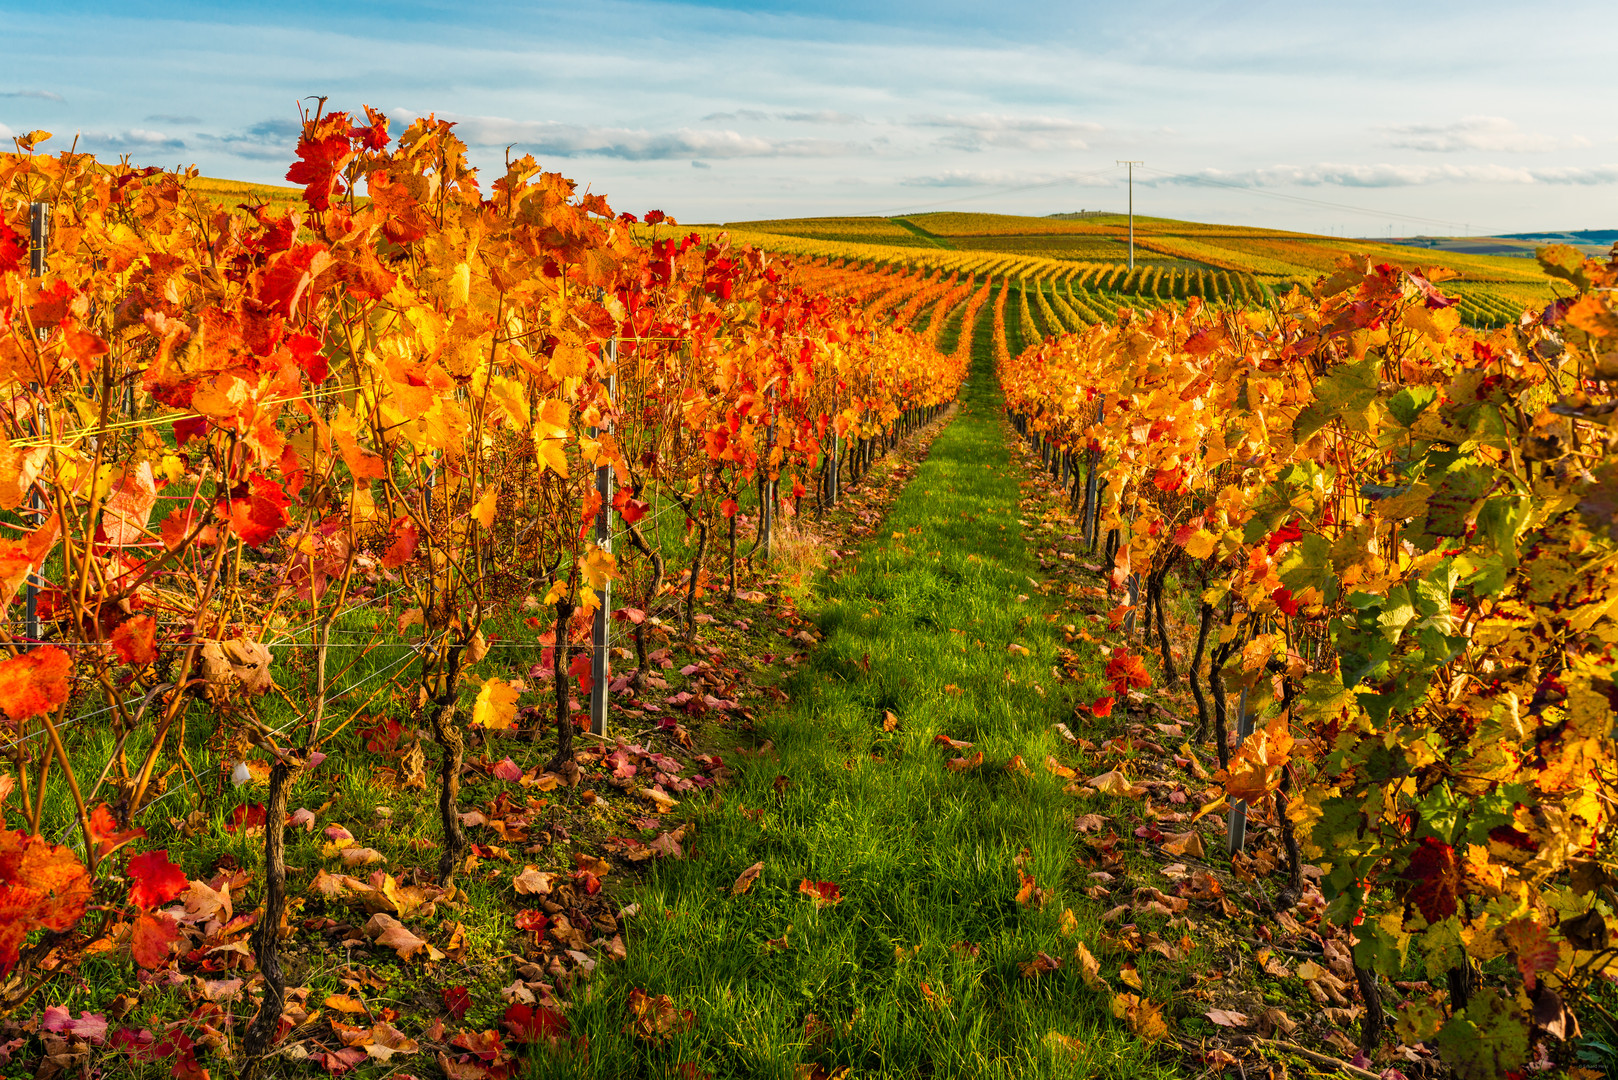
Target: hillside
{"x": 1082, "y": 262}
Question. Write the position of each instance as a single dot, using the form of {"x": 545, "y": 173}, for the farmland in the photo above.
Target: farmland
{"x": 1077, "y": 270}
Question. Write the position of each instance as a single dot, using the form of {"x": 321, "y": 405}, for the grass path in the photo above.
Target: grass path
{"x": 917, "y": 971}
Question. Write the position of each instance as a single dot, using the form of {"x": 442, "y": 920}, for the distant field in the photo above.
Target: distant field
{"x": 1074, "y": 270}
{"x": 229, "y": 193}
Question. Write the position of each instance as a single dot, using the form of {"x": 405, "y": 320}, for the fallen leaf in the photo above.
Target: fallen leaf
{"x": 1089, "y": 966}
{"x": 1114, "y": 782}
{"x": 1041, "y": 964}
{"x": 345, "y": 1004}
{"x": 822, "y": 892}
{"x": 745, "y": 881}
{"x": 1186, "y": 843}
{"x": 1144, "y": 1018}
{"x": 532, "y": 881}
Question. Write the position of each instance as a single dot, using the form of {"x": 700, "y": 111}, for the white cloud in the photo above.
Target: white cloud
{"x": 550, "y": 137}
{"x": 758, "y": 116}
{"x": 267, "y": 140}
{"x": 1387, "y": 175}
{"x": 958, "y": 178}
{"x": 822, "y": 116}
{"x": 129, "y": 141}
{"x": 37, "y": 95}
{"x": 1489, "y": 133}
{"x": 1006, "y": 132}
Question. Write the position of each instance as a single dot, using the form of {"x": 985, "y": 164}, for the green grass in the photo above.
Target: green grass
{"x": 918, "y": 625}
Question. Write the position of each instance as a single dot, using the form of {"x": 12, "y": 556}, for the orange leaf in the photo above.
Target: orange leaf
{"x": 34, "y": 683}
{"x": 104, "y": 830}
{"x": 134, "y": 640}
{"x": 150, "y": 939}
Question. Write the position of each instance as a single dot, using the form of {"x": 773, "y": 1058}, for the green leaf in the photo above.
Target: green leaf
{"x": 1566, "y": 262}
{"x": 1408, "y": 403}
{"x": 1346, "y": 392}
{"x": 1308, "y": 565}
{"x": 1456, "y": 493}
{"x": 1499, "y": 521}
{"x": 1487, "y": 1040}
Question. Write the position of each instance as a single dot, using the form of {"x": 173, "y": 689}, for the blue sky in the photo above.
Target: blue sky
{"x": 1357, "y": 119}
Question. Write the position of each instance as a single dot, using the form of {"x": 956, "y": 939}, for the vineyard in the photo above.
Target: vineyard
{"x": 1085, "y": 262}
{"x": 467, "y": 630}
{"x": 1395, "y": 541}
{"x": 280, "y": 477}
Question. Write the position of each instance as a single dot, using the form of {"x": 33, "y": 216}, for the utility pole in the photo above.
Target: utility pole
{"x": 1132, "y": 165}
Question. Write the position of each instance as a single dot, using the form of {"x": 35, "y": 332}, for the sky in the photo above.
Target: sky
{"x": 1374, "y": 118}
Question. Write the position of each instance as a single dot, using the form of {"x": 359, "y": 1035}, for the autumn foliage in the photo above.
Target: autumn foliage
{"x": 221, "y": 423}
{"x": 1401, "y": 537}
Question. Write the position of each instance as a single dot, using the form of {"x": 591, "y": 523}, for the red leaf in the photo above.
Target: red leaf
{"x": 135, "y": 640}
{"x": 286, "y": 282}
{"x": 153, "y": 879}
{"x": 255, "y": 510}
{"x": 34, "y": 683}
{"x": 822, "y": 892}
{"x": 150, "y": 939}
{"x": 1434, "y": 878}
{"x": 1125, "y": 671}
{"x": 246, "y": 816}
{"x": 1284, "y": 535}
{"x": 457, "y": 1000}
{"x": 536, "y": 921}
{"x": 42, "y": 886}
{"x": 1102, "y": 706}
{"x": 401, "y": 544}
{"x": 13, "y": 249}
{"x": 531, "y": 1023}
{"x": 306, "y": 353}
{"x": 322, "y": 152}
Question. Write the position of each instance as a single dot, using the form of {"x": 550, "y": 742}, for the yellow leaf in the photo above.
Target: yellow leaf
{"x": 1143, "y": 1017}
{"x": 172, "y": 468}
{"x": 600, "y": 567}
{"x": 458, "y": 289}
{"x": 1255, "y": 769}
{"x": 1201, "y": 544}
{"x": 551, "y": 423}
{"x": 483, "y": 509}
{"x": 1114, "y": 782}
{"x": 569, "y": 361}
{"x": 510, "y": 396}
{"x": 1089, "y": 966}
{"x": 557, "y": 591}
{"x": 550, "y": 452}
{"x": 496, "y": 706}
